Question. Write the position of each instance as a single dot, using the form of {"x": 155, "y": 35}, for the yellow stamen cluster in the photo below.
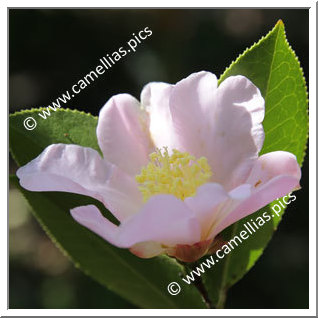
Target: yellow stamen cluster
{"x": 179, "y": 174}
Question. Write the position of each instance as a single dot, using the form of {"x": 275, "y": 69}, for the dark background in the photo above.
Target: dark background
{"x": 50, "y": 50}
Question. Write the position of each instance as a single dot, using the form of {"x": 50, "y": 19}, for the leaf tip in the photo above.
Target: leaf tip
{"x": 280, "y": 23}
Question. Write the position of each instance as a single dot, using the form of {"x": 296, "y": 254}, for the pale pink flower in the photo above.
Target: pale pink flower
{"x": 180, "y": 202}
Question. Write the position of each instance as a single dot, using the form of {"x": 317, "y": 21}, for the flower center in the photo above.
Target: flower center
{"x": 179, "y": 174}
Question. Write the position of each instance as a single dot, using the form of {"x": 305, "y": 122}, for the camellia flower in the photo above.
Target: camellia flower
{"x": 177, "y": 168}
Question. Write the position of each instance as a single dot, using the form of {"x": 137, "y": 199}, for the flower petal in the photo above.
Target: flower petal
{"x": 67, "y": 168}
{"x": 273, "y": 164}
{"x": 155, "y": 98}
{"x": 204, "y": 204}
{"x": 191, "y": 102}
{"x": 147, "y": 249}
{"x": 122, "y": 196}
{"x": 164, "y": 219}
{"x": 237, "y": 133}
{"x": 90, "y": 217}
{"x": 241, "y": 193}
{"x": 274, "y": 175}
{"x": 123, "y": 134}
{"x": 81, "y": 170}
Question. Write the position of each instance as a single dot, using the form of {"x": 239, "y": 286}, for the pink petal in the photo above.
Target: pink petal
{"x": 147, "y": 249}
{"x": 76, "y": 169}
{"x": 273, "y": 164}
{"x": 191, "y": 102}
{"x": 123, "y": 198}
{"x": 164, "y": 219}
{"x": 123, "y": 134}
{"x": 236, "y": 131}
{"x": 241, "y": 193}
{"x": 90, "y": 217}
{"x": 155, "y": 98}
{"x": 274, "y": 175}
{"x": 205, "y": 204}
{"x": 67, "y": 168}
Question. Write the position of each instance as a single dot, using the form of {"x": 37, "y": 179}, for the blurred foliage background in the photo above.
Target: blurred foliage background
{"x": 50, "y": 50}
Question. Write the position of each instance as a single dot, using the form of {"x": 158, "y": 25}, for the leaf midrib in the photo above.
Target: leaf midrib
{"x": 271, "y": 65}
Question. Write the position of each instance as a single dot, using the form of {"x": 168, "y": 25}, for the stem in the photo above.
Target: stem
{"x": 223, "y": 288}
{"x": 200, "y": 286}
{"x": 222, "y": 299}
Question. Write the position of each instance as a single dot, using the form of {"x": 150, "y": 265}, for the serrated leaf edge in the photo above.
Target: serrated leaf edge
{"x": 33, "y": 110}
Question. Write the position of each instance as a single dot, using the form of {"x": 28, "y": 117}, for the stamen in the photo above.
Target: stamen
{"x": 179, "y": 174}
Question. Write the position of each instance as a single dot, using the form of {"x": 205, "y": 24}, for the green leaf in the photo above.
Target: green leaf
{"x": 273, "y": 67}
{"x": 141, "y": 281}
{"x": 63, "y": 126}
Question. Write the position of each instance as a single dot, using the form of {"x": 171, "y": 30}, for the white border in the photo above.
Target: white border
{"x": 312, "y": 161}
{"x": 162, "y": 3}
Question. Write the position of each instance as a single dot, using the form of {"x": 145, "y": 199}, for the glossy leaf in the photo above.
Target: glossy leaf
{"x": 273, "y": 67}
